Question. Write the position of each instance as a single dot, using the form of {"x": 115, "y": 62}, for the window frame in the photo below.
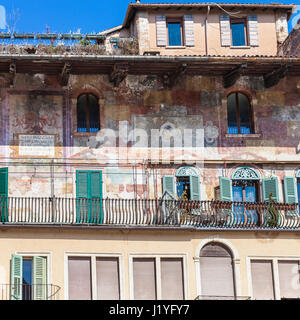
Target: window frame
{"x": 238, "y": 115}
{"x": 276, "y": 281}
{"x": 175, "y": 20}
{"x": 246, "y": 31}
{"x": 157, "y": 258}
{"x": 93, "y": 257}
{"x": 48, "y": 263}
{"x": 87, "y": 112}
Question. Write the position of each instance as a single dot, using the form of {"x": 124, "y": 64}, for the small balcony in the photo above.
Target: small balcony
{"x": 149, "y": 213}
{"x": 29, "y": 292}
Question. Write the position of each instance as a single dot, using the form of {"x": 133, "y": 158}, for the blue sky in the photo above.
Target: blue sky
{"x": 70, "y": 15}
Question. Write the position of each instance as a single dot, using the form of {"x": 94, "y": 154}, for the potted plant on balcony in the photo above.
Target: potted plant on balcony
{"x": 273, "y": 214}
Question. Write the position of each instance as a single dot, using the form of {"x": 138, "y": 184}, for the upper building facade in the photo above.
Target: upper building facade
{"x": 208, "y": 28}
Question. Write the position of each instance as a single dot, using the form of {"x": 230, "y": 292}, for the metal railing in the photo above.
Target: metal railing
{"x": 29, "y": 292}
{"x": 197, "y": 214}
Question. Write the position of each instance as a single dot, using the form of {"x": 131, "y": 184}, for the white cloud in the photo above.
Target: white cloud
{"x": 2, "y": 18}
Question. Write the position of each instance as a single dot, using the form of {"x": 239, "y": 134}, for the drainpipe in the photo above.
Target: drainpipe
{"x": 206, "y": 31}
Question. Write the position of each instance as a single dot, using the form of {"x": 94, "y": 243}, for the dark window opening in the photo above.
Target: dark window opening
{"x": 88, "y": 114}
{"x": 239, "y": 114}
{"x": 183, "y": 188}
{"x": 175, "y": 35}
{"x": 27, "y": 279}
{"x": 245, "y": 191}
{"x": 239, "y": 32}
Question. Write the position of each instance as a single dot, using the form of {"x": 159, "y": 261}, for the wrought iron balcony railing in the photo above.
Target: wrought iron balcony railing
{"x": 29, "y": 292}
{"x": 149, "y": 213}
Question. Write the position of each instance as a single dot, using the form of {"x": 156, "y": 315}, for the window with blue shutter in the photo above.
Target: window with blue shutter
{"x": 290, "y": 191}
{"x": 89, "y": 197}
{"x": 88, "y": 118}
{"x": 238, "y": 32}
{"x": 225, "y": 189}
{"x": 174, "y": 33}
{"x": 16, "y": 277}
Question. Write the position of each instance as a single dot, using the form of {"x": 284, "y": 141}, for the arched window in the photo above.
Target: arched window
{"x": 239, "y": 114}
{"x": 185, "y": 184}
{"x": 216, "y": 272}
{"x": 88, "y": 119}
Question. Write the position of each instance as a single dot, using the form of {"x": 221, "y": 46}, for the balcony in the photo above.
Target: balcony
{"x": 29, "y": 292}
{"x": 149, "y": 213}
{"x": 223, "y": 298}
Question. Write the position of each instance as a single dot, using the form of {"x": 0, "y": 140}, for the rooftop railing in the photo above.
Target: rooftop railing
{"x": 70, "y": 44}
{"x": 149, "y": 213}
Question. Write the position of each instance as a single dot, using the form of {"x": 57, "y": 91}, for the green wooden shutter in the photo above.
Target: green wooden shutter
{"x": 16, "y": 277}
{"x": 82, "y": 184}
{"x": 169, "y": 185}
{"x": 39, "y": 278}
{"x": 290, "y": 191}
{"x": 3, "y": 193}
{"x": 225, "y": 189}
{"x": 195, "y": 188}
{"x": 95, "y": 194}
{"x": 270, "y": 185}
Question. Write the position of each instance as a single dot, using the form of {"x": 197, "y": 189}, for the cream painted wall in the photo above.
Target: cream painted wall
{"x": 266, "y": 29}
{"x": 58, "y": 243}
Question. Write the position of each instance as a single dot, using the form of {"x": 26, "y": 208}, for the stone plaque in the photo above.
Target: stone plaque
{"x": 36, "y": 145}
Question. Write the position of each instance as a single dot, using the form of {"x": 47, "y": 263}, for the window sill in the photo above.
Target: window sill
{"x": 250, "y": 135}
{"x": 240, "y": 47}
{"x": 176, "y": 47}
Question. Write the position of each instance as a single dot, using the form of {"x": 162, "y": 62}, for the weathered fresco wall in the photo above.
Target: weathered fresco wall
{"x": 37, "y": 105}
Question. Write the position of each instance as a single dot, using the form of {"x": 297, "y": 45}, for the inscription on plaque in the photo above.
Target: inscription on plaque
{"x": 36, "y": 145}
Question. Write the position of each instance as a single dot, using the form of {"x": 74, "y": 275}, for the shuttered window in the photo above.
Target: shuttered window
{"x": 80, "y": 287}
{"x": 89, "y": 196}
{"x": 216, "y": 271}
{"x": 40, "y": 278}
{"x": 195, "y": 188}
{"x": 16, "y": 277}
{"x": 225, "y": 30}
{"x": 172, "y": 284}
{"x": 239, "y": 32}
{"x": 289, "y": 279}
{"x": 108, "y": 283}
{"x": 253, "y": 30}
{"x": 161, "y": 30}
{"x": 169, "y": 184}
{"x": 174, "y": 33}
{"x": 189, "y": 37}
{"x": 290, "y": 191}
{"x": 225, "y": 189}
{"x": 144, "y": 279}
{"x": 3, "y": 194}
{"x": 270, "y": 188}
{"x": 262, "y": 280}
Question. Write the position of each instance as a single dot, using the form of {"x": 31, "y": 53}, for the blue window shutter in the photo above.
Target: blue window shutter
{"x": 174, "y": 32}
{"x": 270, "y": 186}
{"x": 250, "y": 194}
{"x": 238, "y": 34}
{"x": 195, "y": 188}
{"x": 169, "y": 184}
{"x": 290, "y": 191}
{"x": 16, "y": 277}
{"x": 237, "y": 193}
{"x": 3, "y": 193}
{"x": 96, "y": 196}
{"x": 82, "y": 184}
{"x": 225, "y": 189}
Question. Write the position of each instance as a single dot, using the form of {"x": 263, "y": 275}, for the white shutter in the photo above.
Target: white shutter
{"x": 225, "y": 30}
{"x": 189, "y": 31}
{"x": 161, "y": 30}
{"x": 253, "y": 30}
